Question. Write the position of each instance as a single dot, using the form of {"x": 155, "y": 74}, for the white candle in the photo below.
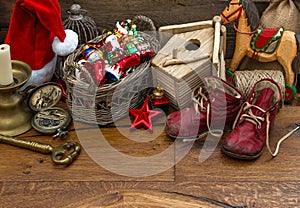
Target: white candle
{"x": 6, "y": 75}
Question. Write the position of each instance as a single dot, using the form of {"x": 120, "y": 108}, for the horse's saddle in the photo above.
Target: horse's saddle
{"x": 266, "y": 40}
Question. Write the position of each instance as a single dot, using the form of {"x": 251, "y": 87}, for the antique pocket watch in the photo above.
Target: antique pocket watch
{"x": 48, "y": 119}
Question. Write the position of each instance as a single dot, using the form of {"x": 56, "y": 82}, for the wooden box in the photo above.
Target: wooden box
{"x": 198, "y": 51}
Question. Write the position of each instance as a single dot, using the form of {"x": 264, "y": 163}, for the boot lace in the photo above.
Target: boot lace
{"x": 199, "y": 99}
{"x": 257, "y": 120}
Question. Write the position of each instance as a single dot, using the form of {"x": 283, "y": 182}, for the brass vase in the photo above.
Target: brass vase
{"x": 15, "y": 115}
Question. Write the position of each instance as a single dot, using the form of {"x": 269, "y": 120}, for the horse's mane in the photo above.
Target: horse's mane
{"x": 251, "y": 12}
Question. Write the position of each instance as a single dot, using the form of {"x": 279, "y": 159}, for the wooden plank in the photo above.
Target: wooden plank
{"x": 6, "y": 8}
{"x": 159, "y": 11}
{"x": 219, "y": 167}
{"x": 255, "y": 0}
{"x": 3, "y": 32}
{"x": 186, "y": 194}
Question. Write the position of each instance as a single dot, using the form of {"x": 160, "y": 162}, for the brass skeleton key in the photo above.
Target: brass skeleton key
{"x": 61, "y": 155}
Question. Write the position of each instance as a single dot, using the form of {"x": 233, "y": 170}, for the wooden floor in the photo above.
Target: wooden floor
{"x": 29, "y": 179}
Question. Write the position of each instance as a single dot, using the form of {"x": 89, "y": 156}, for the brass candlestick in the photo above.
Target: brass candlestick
{"x": 15, "y": 116}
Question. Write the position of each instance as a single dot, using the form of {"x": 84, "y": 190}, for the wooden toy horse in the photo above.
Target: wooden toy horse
{"x": 264, "y": 45}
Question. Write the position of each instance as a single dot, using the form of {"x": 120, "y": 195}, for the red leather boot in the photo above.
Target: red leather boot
{"x": 254, "y": 122}
{"x": 214, "y": 107}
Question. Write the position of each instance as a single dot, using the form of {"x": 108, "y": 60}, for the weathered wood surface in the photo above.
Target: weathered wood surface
{"x": 35, "y": 166}
{"x": 162, "y": 12}
{"x": 30, "y": 179}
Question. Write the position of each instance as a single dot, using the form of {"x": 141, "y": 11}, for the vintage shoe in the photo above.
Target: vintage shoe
{"x": 254, "y": 122}
{"x": 214, "y": 106}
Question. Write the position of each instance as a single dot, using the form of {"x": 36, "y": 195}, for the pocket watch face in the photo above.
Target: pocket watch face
{"x": 45, "y": 96}
{"x": 50, "y": 120}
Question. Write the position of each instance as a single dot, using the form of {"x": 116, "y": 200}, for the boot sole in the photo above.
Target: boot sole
{"x": 241, "y": 157}
{"x": 199, "y": 136}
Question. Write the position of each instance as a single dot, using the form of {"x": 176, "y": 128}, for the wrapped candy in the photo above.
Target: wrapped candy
{"x": 96, "y": 70}
{"x": 114, "y": 73}
{"x": 99, "y": 71}
{"x": 146, "y": 55}
{"x": 91, "y": 54}
{"x": 131, "y": 48}
{"x": 128, "y": 62}
{"x": 113, "y": 57}
{"x": 114, "y": 43}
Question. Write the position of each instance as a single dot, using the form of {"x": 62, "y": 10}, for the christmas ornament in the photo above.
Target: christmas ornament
{"x": 143, "y": 116}
{"x": 159, "y": 100}
{"x": 96, "y": 69}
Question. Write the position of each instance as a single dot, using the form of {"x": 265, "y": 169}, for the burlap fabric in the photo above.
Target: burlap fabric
{"x": 282, "y": 13}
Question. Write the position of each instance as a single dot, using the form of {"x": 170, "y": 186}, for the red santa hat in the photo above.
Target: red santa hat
{"x": 34, "y": 25}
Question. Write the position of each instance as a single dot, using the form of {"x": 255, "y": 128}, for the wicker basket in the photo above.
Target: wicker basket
{"x": 107, "y": 103}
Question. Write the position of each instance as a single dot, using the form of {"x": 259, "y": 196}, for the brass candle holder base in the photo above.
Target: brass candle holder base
{"x": 15, "y": 115}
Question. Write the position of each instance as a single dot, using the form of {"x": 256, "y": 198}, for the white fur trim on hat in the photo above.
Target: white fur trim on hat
{"x": 42, "y": 75}
{"x": 68, "y": 46}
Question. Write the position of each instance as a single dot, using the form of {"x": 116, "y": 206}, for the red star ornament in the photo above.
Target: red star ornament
{"x": 143, "y": 116}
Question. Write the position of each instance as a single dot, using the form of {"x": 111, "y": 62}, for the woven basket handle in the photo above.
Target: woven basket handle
{"x": 146, "y": 25}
